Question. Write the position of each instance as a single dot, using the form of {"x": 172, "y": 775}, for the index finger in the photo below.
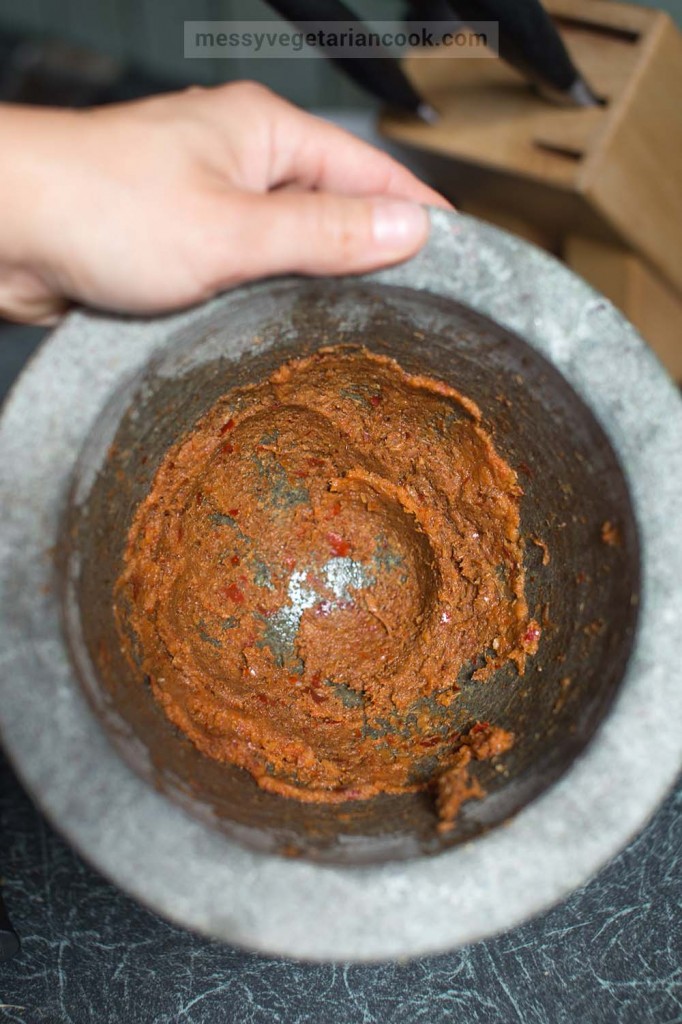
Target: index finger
{"x": 315, "y": 154}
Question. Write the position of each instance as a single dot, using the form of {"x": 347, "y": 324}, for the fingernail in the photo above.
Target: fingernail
{"x": 398, "y": 225}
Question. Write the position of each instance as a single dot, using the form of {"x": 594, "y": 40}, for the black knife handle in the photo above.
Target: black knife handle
{"x": 528, "y": 40}
{"x": 383, "y": 77}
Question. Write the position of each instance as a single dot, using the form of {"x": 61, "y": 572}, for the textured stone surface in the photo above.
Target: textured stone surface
{"x": 610, "y": 954}
{"x": 90, "y": 955}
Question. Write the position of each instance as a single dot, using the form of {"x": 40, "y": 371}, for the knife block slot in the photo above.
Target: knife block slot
{"x": 569, "y": 152}
{"x": 564, "y": 23}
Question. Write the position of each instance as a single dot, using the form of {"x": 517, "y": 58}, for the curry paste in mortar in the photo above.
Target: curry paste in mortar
{"x": 316, "y": 565}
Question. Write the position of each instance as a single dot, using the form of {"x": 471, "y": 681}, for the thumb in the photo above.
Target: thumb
{"x": 321, "y": 233}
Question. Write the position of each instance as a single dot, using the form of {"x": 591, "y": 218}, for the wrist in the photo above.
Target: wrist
{"x": 35, "y": 143}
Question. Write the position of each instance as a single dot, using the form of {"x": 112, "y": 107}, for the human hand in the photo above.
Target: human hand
{"x": 154, "y": 205}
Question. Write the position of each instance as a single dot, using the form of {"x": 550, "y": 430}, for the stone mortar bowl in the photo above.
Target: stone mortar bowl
{"x": 582, "y": 410}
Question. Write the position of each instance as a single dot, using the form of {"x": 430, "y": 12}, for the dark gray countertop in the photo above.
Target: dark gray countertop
{"x": 610, "y": 953}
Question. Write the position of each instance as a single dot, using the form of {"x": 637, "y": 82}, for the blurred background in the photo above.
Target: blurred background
{"x": 144, "y": 39}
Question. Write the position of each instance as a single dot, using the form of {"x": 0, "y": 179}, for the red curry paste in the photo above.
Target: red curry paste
{"x": 316, "y": 565}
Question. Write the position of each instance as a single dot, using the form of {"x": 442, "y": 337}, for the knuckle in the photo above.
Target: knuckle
{"x": 211, "y": 254}
{"x": 340, "y": 225}
{"x": 248, "y": 91}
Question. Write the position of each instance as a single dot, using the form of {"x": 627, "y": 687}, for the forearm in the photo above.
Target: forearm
{"x": 35, "y": 144}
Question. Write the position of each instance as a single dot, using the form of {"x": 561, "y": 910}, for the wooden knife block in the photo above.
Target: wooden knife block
{"x": 599, "y": 186}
